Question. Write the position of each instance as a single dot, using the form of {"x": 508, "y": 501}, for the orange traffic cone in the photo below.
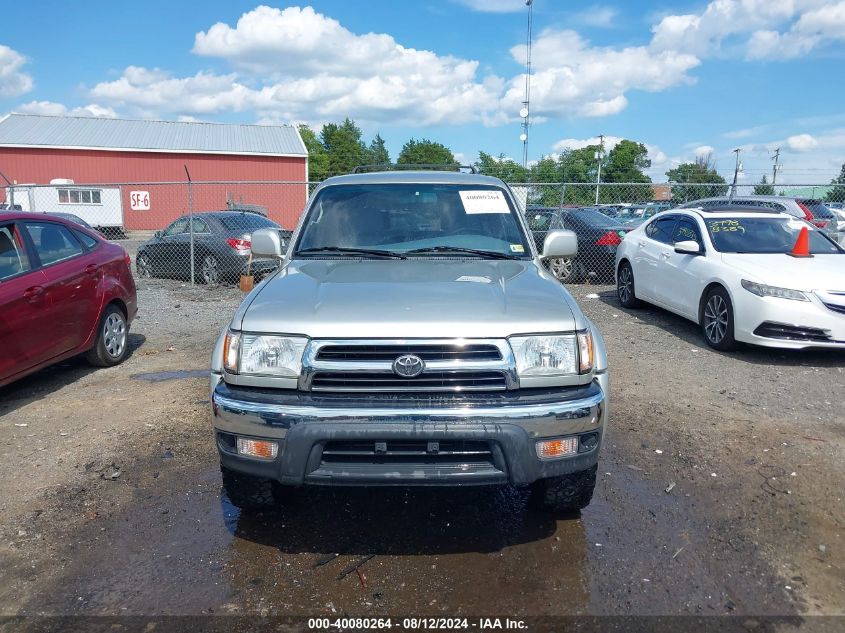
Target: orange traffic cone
{"x": 802, "y": 244}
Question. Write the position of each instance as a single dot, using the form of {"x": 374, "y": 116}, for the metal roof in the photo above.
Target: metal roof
{"x": 125, "y": 135}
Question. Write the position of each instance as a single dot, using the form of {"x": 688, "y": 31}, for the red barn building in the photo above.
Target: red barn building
{"x": 102, "y": 168}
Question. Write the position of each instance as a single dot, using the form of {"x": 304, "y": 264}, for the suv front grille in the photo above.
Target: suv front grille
{"x": 449, "y": 365}
{"x": 447, "y": 351}
{"x": 427, "y": 381}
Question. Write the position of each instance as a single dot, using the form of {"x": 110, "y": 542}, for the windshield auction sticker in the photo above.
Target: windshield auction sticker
{"x": 484, "y": 202}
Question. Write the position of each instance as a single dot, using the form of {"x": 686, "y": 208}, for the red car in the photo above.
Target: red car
{"x": 64, "y": 291}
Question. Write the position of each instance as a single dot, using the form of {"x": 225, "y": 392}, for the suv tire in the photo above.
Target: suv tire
{"x": 247, "y": 492}
{"x": 566, "y": 492}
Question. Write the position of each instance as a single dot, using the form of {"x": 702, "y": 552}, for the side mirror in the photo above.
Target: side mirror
{"x": 688, "y": 247}
{"x": 157, "y": 234}
{"x": 560, "y": 243}
{"x": 267, "y": 243}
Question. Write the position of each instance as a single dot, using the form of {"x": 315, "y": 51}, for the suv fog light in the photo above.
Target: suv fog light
{"x": 550, "y": 449}
{"x": 588, "y": 442}
{"x": 257, "y": 448}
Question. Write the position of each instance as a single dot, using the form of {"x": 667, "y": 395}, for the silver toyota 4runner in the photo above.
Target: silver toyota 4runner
{"x": 412, "y": 336}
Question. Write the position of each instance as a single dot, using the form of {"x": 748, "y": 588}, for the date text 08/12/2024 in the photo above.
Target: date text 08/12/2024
{"x": 417, "y": 623}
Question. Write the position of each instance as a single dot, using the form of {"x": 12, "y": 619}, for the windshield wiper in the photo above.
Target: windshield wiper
{"x": 458, "y": 249}
{"x": 323, "y": 250}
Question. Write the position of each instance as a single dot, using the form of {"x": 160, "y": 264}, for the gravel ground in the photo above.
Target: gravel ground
{"x": 720, "y": 492}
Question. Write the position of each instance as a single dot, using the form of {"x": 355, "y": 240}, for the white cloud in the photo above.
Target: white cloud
{"x": 597, "y": 16}
{"x": 703, "y": 150}
{"x": 810, "y": 30}
{"x": 156, "y": 91}
{"x": 13, "y": 81}
{"x": 745, "y": 132}
{"x": 573, "y": 78}
{"x": 51, "y": 108}
{"x": 494, "y": 6}
{"x": 319, "y": 69}
{"x": 754, "y": 26}
{"x": 802, "y": 142}
{"x": 580, "y": 143}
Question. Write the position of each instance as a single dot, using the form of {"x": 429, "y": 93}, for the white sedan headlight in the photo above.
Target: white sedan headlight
{"x": 762, "y": 290}
{"x": 554, "y": 355}
{"x": 263, "y": 354}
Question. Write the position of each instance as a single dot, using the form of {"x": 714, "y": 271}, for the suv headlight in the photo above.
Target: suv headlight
{"x": 553, "y": 355}
{"x": 263, "y": 354}
{"x": 762, "y": 290}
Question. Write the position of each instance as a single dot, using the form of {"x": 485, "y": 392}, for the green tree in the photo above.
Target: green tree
{"x": 500, "y": 167}
{"x": 343, "y": 146}
{"x": 377, "y": 153}
{"x": 545, "y": 170}
{"x": 579, "y": 168}
{"x": 692, "y": 181}
{"x": 425, "y": 152}
{"x": 318, "y": 161}
{"x": 625, "y": 164}
{"x": 763, "y": 188}
{"x": 836, "y": 193}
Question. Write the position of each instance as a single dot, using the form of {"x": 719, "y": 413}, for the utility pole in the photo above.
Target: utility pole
{"x": 525, "y": 112}
{"x": 736, "y": 171}
{"x": 776, "y": 166}
{"x": 598, "y": 158}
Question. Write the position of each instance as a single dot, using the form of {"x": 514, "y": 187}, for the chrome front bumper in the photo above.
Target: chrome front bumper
{"x": 512, "y": 423}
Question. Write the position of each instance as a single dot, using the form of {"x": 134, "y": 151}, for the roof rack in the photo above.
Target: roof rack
{"x": 362, "y": 169}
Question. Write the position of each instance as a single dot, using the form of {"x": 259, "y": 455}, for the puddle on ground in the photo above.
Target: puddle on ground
{"x": 179, "y": 374}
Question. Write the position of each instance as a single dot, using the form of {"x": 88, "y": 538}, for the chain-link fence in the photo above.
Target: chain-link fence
{"x": 602, "y": 215}
{"x": 201, "y": 231}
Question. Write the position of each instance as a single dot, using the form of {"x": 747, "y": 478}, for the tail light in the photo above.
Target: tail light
{"x": 808, "y": 215}
{"x": 127, "y": 260}
{"x": 242, "y": 244}
{"x": 611, "y": 238}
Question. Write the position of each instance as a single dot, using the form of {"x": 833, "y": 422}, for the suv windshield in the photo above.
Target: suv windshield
{"x": 765, "y": 235}
{"x": 428, "y": 219}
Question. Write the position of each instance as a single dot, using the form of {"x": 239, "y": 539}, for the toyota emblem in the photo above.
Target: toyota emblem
{"x": 408, "y": 366}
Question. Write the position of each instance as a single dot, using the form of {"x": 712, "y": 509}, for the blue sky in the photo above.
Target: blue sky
{"x": 684, "y": 78}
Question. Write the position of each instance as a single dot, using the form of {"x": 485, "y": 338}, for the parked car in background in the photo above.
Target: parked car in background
{"x": 411, "y": 339}
{"x": 638, "y": 215}
{"x": 221, "y": 247}
{"x": 64, "y": 291}
{"x": 808, "y": 209}
{"x": 71, "y": 217}
{"x": 598, "y": 237}
{"x": 730, "y": 270}
{"x": 837, "y": 230}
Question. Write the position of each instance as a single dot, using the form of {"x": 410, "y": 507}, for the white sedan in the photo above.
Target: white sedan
{"x": 731, "y": 271}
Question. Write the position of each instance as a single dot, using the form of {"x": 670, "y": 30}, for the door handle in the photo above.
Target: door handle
{"x": 91, "y": 269}
{"x": 33, "y": 294}
{"x": 664, "y": 255}
{"x": 641, "y": 244}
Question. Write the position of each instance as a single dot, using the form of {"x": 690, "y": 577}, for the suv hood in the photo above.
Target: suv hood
{"x": 820, "y": 272}
{"x": 410, "y": 299}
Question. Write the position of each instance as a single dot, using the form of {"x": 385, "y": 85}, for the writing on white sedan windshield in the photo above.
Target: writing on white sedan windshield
{"x": 765, "y": 235}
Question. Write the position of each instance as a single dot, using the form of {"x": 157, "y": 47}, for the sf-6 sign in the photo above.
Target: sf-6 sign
{"x": 139, "y": 200}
